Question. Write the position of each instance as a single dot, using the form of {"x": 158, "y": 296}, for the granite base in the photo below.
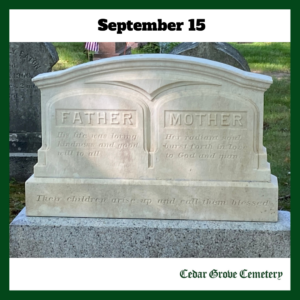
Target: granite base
{"x": 51, "y": 237}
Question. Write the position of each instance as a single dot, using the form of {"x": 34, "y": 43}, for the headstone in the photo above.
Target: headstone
{"x": 153, "y": 136}
{"x": 221, "y": 52}
{"x": 26, "y": 60}
{"x": 134, "y": 45}
{"x": 107, "y": 50}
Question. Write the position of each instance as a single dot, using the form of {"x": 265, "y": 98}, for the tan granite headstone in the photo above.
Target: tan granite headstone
{"x": 153, "y": 136}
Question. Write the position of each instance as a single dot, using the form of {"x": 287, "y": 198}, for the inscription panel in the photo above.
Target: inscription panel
{"x": 154, "y": 202}
{"x": 147, "y": 199}
{"x": 103, "y": 140}
{"x": 207, "y": 137}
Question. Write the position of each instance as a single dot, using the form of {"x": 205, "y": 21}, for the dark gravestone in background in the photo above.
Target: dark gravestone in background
{"x": 26, "y": 60}
{"x": 221, "y": 52}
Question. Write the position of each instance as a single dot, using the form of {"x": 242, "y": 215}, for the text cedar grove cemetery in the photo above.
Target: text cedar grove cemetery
{"x": 194, "y": 25}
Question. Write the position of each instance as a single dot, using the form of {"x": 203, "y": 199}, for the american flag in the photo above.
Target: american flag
{"x": 92, "y": 46}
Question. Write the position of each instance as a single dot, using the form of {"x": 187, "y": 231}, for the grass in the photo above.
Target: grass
{"x": 261, "y": 57}
{"x": 268, "y": 58}
{"x": 70, "y": 54}
{"x": 274, "y": 59}
{"x": 277, "y": 136}
{"x": 155, "y": 48}
{"x": 16, "y": 198}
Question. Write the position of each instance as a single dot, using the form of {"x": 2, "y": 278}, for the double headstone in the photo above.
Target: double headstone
{"x": 153, "y": 136}
{"x": 26, "y": 60}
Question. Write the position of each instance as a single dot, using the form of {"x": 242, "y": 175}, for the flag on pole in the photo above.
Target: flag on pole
{"x": 92, "y": 46}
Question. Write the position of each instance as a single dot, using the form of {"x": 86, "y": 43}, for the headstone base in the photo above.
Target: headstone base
{"x": 94, "y": 237}
{"x": 153, "y": 199}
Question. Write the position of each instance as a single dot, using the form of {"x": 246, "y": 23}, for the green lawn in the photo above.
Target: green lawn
{"x": 268, "y": 58}
{"x": 16, "y": 198}
{"x": 277, "y": 135}
{"x": 70, "y": 54}
{"x": 274, "y": 59}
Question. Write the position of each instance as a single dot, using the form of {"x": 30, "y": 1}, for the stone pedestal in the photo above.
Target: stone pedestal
{"x": 152, "y": 199}
{"x": 98, "y": 237}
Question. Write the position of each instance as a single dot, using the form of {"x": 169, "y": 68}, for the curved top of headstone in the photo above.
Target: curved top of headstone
{"x": 221, "y": 52}
{"x": 132, "y": 69}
